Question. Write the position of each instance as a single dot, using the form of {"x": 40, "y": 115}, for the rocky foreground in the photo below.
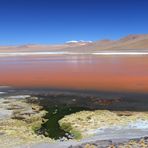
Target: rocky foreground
{"x": 21, "y": 116}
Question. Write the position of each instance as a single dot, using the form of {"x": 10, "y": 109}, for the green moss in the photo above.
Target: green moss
{"x": 77, "y": 134}
{"x": 66, "y": 127}
{"x": 36, "y": 127}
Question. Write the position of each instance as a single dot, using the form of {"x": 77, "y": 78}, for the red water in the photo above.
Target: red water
{"x": 107, "y": 73}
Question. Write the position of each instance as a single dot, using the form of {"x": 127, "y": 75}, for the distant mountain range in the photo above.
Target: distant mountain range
{"x": 128, "y": 43}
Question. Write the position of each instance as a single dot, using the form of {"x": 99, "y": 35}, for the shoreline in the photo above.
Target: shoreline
{"x": 103, "y": 53}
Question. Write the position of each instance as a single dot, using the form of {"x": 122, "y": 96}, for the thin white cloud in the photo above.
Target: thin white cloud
{"x": 73, "y": 41}
{"x": 78, "y": 41}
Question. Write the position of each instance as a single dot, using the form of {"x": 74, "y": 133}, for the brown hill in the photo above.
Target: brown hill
{"x": 130, "y": 42}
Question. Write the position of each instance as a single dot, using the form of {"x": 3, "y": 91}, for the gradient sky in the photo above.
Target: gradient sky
{"x": 58, "y": 21}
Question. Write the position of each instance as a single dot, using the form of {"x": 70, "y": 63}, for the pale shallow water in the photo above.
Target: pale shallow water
{"x": 2, "y": 92}
{"x": 138, "y": 125}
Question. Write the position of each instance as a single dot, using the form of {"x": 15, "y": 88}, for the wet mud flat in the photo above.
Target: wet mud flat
{"x": 103, "y": 100}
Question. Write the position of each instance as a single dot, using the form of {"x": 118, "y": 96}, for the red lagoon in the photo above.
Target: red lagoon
{"x": 102, "y": 73}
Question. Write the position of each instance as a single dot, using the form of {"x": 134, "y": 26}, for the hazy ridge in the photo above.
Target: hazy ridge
{"x": 128, "y": 43}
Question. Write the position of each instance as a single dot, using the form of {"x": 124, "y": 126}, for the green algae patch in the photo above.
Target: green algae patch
{"x": 52, "y": 129}
{"x": 77, "y": 135}
{"x": 68, "y": 128}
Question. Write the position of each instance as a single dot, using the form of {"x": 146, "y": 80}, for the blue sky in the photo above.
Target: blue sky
{"x": 58, "y": 21}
